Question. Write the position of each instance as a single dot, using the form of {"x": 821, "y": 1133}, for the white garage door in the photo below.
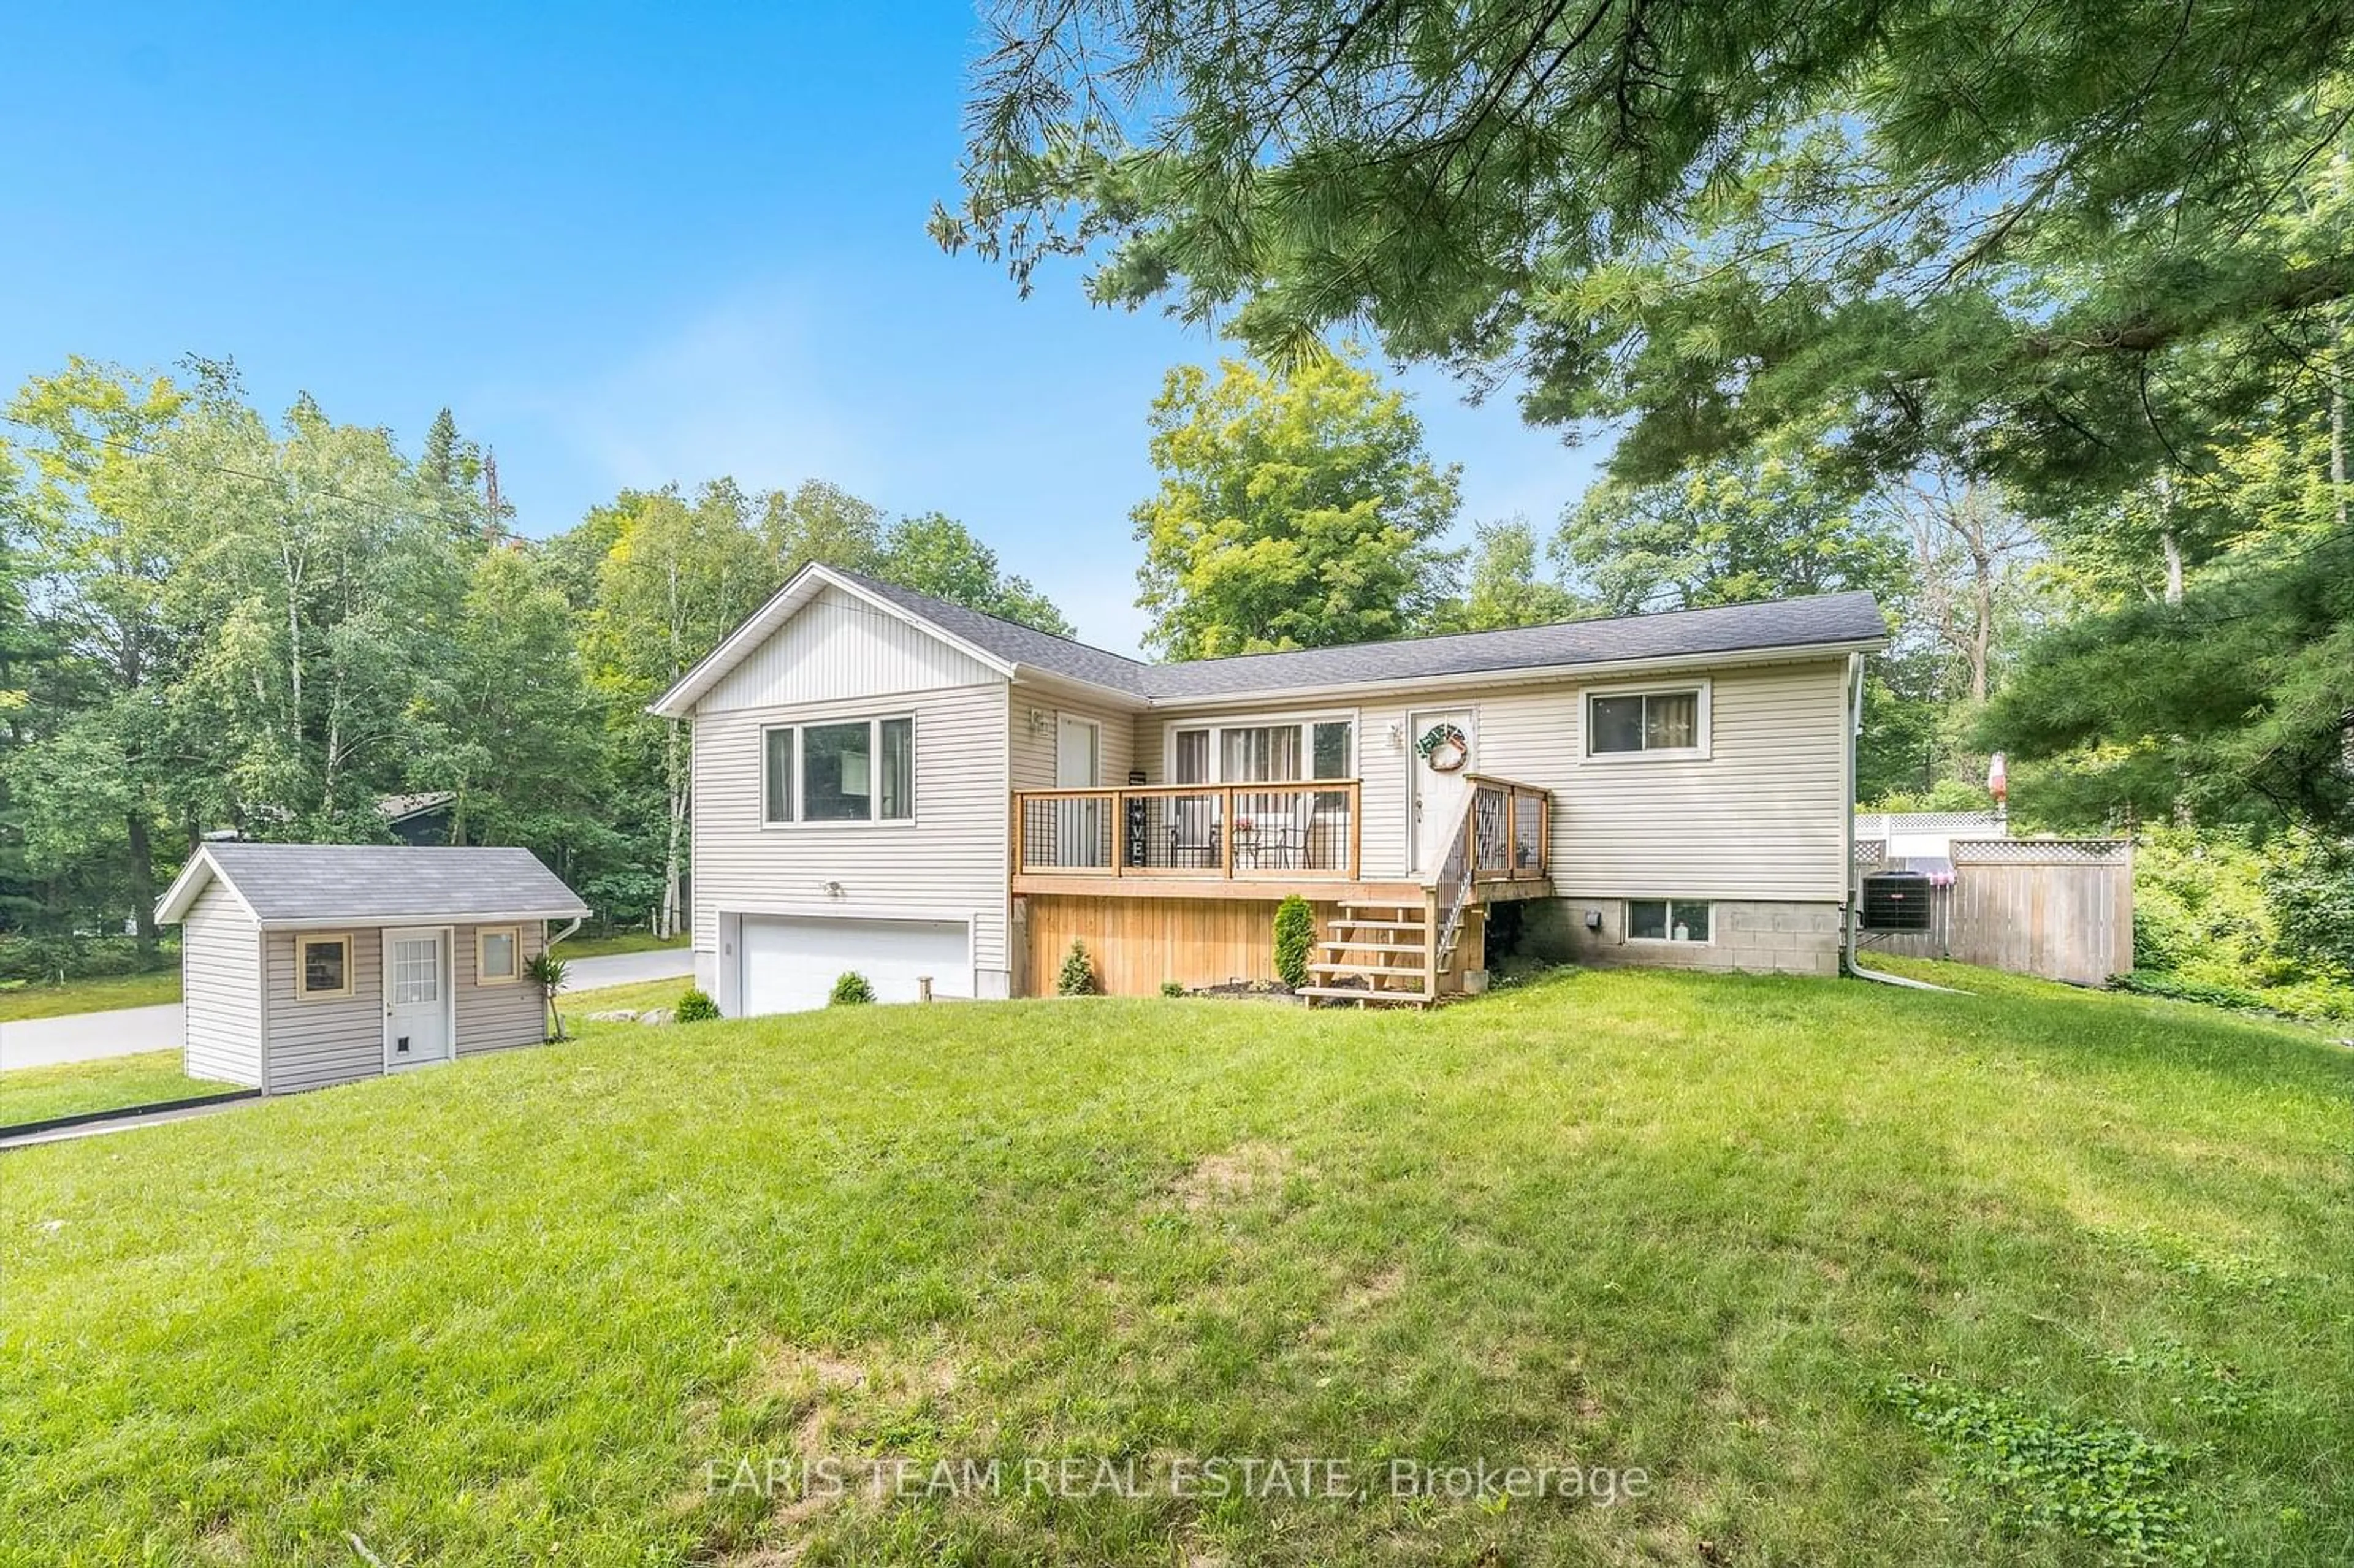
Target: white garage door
{"x": 791, "y": 964}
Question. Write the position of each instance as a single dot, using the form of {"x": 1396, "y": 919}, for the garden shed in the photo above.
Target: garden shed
{"x": 304, "y": 965}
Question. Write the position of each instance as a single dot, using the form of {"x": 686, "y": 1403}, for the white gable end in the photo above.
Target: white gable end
{"x": 838, "y": 645}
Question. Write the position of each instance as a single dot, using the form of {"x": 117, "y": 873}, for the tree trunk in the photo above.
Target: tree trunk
{"x": 2166, "y": 541}
{"x": 143, "y": 884}
{"x": 2338, "y": 422}
{"x": 1982, "y": 635}
{"x": 674, "y": 785}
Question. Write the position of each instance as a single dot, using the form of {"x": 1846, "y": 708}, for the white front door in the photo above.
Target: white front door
{"x": 1078, "y": 765}
{"x": 1435, "y": 799}
{"x": 417, "y": 1002}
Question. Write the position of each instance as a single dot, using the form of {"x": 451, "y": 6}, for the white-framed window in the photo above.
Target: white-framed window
{"x": 498, "y": 955}
{"x": 322, "y": 965}
{"x": 776, "y": 743}
{"x": 843, "y": 770}
{"x": 1272, "y": 751}
{"x": 1668, "y": 920}
{"x": 1658, "y": 722}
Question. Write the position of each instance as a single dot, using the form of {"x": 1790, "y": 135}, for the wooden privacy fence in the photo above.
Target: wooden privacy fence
{"x": 2060, "y": 908}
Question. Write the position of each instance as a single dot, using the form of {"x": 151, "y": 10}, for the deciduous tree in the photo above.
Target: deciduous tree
{"x": 1295, "y": 510}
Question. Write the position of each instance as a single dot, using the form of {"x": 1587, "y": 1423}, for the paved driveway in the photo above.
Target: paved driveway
{"x": 85, "y": 1036}
{"x": 126, "y": 1030}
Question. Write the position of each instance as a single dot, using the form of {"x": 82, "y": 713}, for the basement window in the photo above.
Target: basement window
{"x": 1666, "y": 920}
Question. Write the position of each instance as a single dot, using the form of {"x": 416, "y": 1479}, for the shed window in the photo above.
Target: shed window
{"x": 496, "y": 950}
{"x": 1666, "y": 920}
{"x": 326, "y": 967}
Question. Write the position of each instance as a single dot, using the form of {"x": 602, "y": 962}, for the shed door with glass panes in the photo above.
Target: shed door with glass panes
{"x": 416, "y": 999}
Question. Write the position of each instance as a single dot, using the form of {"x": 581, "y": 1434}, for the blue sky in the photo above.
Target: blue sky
{"x": 624, "y": 245}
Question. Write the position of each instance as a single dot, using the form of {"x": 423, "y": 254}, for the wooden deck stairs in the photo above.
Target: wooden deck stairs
{"x": 1410, "y": 948}
{"x": 1380, "y": 954}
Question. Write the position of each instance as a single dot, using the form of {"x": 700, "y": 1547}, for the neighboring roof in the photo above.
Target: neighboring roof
{"x": 1821, "y": 622}
{"x": 326, "y": 884}
{"x": 395, "y": 807}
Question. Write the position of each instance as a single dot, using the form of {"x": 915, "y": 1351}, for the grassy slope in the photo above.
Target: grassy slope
{"x": 37, "y": 1094}
{"x": 506, "y": 1312}
{"x": 44, "y": 1001}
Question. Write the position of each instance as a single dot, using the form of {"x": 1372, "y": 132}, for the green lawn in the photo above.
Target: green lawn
{"x": 39, "y": 1000}
{"x": 39, "y": 1093}
{"x": 1857, "y": 1274}
{"x": 636, "y": 997}
{"x": 624, "y": 942}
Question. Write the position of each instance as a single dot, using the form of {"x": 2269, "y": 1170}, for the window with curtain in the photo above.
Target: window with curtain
{"x": 1263, "y": 754}
{"x": 1192, "y": 756}
{"x": 1266, "y": 753}
{"x": 896, "y": 745}
{"x": 1643, "y": 721}
{"x": 777, "y": 775}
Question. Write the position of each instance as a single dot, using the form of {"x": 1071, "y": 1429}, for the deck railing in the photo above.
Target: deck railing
{"x": 1503, "y": 839}
{"x": 1506, "y": 830}
{"x": 1310, "y": 828}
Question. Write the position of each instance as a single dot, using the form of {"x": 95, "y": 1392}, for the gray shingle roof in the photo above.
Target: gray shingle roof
{"x": 1012, "y": 641}
{"x": 289, "y": 884}
{"x": 1835, "y": 618}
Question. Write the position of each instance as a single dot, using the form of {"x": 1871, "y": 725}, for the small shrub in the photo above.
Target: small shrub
{"x": 547, "y": 972}
{"x": 1295, "y": 938}
{"x": 1171, "y": 988}
{"x": 2182, "y": 988}
{"x": 1079, "y": 975}
{"x": 850, "y": 990}
{"x": 696, "y": 1007}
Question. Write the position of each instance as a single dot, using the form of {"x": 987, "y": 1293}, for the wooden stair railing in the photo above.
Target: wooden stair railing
{"x": 1397, "y": 953}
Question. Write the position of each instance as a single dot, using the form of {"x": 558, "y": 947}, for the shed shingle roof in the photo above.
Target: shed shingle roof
{"x": 1816, "y": 620}
{"x": 367, "y": 883}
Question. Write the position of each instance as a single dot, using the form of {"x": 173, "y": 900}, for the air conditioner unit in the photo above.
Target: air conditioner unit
{"x": 1897, "y": 901}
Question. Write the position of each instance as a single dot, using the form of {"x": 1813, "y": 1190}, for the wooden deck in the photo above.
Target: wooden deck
{"x": 1178, "y": 883}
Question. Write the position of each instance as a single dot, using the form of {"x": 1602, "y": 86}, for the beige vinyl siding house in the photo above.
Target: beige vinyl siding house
{"x": 306, "y": 965}
{"x": 1688, "y": 775}
{"x": 915, "y": 885}
{"x": 1762, "y": 816}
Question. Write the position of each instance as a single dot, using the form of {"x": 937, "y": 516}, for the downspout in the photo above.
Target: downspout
{"x": 1846, "y": 955}
{"x": 571, "y": 926}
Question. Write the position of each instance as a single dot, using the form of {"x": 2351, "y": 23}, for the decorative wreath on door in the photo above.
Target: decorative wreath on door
{"x": 1444, "y": 748}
